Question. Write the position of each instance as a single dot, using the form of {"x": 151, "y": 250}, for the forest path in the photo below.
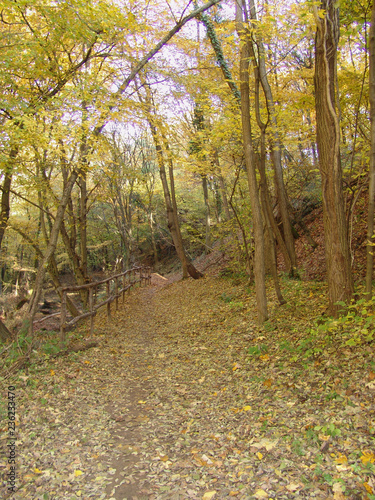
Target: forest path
{"x": 173, "y": 405}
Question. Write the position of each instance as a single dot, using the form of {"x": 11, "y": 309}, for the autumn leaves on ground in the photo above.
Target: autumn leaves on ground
{"x": 186, "y": 397}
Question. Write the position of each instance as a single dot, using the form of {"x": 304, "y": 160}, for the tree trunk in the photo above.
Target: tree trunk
{"x": 172, "y": 218}
{"x": 194, "y": 273}
{"x": 371, "y": 197}
{"x": 207, "y": 214}
{"x": 5, "y": 204}
{"x": 259, "y": 269}
{"x": 266, "y": 201}
{"x": 268, "y": 215}
{"x": 4, "y": 332}
{"x": 340, "y": 282}
{"x": 83, "y": 223}
{"x": 275, "y": 146}
{"x": 224, "y": 196}
{"x": 50, "y": 250}
{"x": 52, "y": 270}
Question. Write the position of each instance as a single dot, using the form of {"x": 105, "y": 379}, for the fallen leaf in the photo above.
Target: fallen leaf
{"x": 368, "y": 457}
{"x": 368, "y": 488}
{"x": 342, "y": 460}
{"x": 208, "y": 495}
{"x": 260, "y": 494}
{"x": 292, "y": 487}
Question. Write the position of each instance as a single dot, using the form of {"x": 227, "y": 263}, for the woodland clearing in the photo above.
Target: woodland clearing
{"x": 187, "y": 397}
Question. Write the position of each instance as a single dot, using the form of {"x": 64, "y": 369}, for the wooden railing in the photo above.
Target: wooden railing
{"x": 115, "y": 286}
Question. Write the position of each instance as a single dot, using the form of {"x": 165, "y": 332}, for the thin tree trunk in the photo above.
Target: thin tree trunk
{"x": 275, "y": 146}
{"x": 194, "y": 273}
{"x": 259, "y": 266}
{"x": 340, "y": 281}
{"x": 207, "y": 214}
{"x": 5, "y": 334}
{"x": 267, "y": 207}
{"x": 5, "y": 204}
{"x": 224, "y": 197}
{"x": 50, "y": 250}
{"x": 168, "y": 201}
{"x": 371, "y": 197}
{"x": 268, "y": 216}
{"x": 52, "y": 270}
{"x": 83, "y": 223}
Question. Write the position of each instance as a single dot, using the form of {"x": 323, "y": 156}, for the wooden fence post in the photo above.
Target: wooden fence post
{"x": 91, "y": 306}
{"x": 63, "y": 319}
{"x": 116, "y": 292}
{"x": 108, "y": 303}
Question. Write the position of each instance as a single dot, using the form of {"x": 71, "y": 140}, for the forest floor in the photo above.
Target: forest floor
{"x": 186, "y": 397}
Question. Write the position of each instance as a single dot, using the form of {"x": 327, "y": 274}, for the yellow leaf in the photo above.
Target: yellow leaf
{"x": 368, "y": 488}
{"x": 368, "y": 457}
{"x": 87, "y": 362}
{"x": 38, "y": 471}
{"x": 261, "y": 494}
{"x": 52, "y": 373}
{"x": 341, "y": 460}
{"x": 264, "y": 357}
{"x": 208, "y": 495}
{"x": 141, "y": 402}
{"x": 78, "y": 473}
{"x": 246, "y": 408}
{"x": 321, "y": 13}
{"x": 259, "y": 455}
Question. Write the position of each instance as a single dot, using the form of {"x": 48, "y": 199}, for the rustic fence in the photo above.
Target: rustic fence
{"x": 112, "y": 288}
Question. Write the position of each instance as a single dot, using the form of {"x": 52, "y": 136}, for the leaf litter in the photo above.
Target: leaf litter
{"x": 187, "y": 397}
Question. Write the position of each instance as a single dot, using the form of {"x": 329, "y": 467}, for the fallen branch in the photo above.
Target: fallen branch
{"x": 77, "y": 348}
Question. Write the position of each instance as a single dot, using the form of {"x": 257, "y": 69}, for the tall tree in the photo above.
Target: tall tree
{"x": 340, "y": 281}
{"x": 259, "y": 60}
{"x": 259, "y": 264}
{"x": 371, "y": 201}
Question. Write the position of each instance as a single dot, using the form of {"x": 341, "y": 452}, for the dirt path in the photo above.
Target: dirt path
{"x": 171, "y": 406}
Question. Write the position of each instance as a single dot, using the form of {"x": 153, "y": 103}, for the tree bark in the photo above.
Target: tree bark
{"x": 275, "y": 146}
{"x": 51, "y": 247}
{"x": 191, "y": 269}
{"x": 371, "y": 197}
{"x": 340, "y": 281}
{"x": 4, "y": 333}
{"x": 5, "y": 204}
{"x": 259, "y": 265}
{"x": 207, "y": 214}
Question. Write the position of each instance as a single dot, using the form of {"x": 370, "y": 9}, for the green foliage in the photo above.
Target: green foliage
{"x": 356, "y": 326}
{"x": 258, "y": 350}
{"x": 329, "y": 429}
{"x": 226, "y": 298}
{"x": 18, "y": 348}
